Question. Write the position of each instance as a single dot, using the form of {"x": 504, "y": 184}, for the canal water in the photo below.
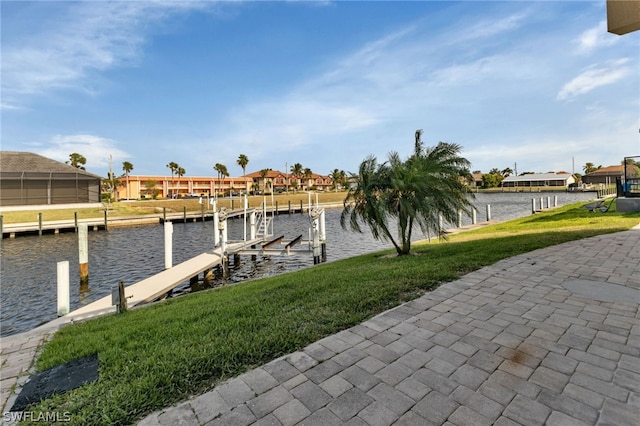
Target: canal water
{"x": 28, "y": 264}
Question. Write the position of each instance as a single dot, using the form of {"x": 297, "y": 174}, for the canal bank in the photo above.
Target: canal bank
{"x": 132, "y": 254}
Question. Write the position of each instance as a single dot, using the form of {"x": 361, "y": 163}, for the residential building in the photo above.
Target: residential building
{"x": 278, "y": 181}
{"x": 31, "y": 179}
{"x": 559, "y": 180}
{"x": 136, "y": 187}
{"x": 604, "y": 175}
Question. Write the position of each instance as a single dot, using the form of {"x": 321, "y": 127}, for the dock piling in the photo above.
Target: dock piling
{"x": 83, "y": 252}
{"x": 488, "y": 212}
{"x": 63, "y": 287}
{"x": 474, "y": 216}
{"x": 533, "y": 206}
{"x": 39, "y": 223}
{"x": 168, "y": 246}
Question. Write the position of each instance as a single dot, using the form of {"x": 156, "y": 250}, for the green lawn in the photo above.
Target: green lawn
{"x": 154, "y": 357}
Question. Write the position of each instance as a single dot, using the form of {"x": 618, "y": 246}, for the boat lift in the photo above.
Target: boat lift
{"x": 259, "y": 238}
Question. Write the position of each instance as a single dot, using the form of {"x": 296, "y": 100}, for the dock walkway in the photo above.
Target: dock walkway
{"x": 152, "y": 288}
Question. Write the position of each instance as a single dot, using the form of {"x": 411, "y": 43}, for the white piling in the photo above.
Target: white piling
{"x": 83, "y": 252}
{"x": 555, "y": 201}
{"x": 474, "y": 216}
{"x": 252, "y": 223}
{"x": 63, "y": 288}
{"x": 168, "y": 245}
{"x": 533, "y": 205}
{"x": 216, "y": 231}
{"x": 459, "y": 218}
{"x": 323, "y": 232}
{"x": 488, "y": 212}
{"x": 316, "y": 242}
{"x": 541, "y": 203}
{"x": 244, "y": 217}
{"x": 548, "y": 202}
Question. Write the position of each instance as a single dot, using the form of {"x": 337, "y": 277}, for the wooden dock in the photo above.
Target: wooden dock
{"x": 154, "y": 287}
{"x": 14, "y": 230}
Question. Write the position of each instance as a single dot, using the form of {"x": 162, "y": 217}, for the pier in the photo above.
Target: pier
{"x": 40, "y": 227}
{"x": 259, "y": 241}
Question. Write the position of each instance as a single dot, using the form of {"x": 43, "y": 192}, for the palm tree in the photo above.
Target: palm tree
{"x": 590, "y": 168}
{"x": 76, "y": 160}
{"x": 173, "y": 166}
{"x": 506, "y": 172}
{"x": 127, "y": 167}
{"x": 296, "y": 172}
{"x": 242, "y": 161}
{"x": 336, "y": 176}
{"x": 222, "y": 172}
{"x": 418, "y": 190}
{"x": 263, "y": 175}
{"x": 307, "y": 174}
{"x": 179, "y": 172}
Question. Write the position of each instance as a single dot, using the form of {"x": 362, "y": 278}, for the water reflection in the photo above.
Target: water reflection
{"x": 28, "y": 264}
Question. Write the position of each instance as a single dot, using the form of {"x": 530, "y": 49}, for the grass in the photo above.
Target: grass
{"x": 154, "y": 357}
{"x": 136, "y": 208}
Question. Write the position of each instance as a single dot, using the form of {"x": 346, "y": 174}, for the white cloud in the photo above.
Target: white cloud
{"x": 593, "y": 78}
{"x": 83, "y": 37}
{"x": 95, "y": 149}
{"x": 595, "y": 38}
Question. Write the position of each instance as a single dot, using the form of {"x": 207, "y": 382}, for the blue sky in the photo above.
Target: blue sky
{"x": 325, "y": 84}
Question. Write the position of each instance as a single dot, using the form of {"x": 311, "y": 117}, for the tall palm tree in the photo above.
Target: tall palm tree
{"x": 263, "y": 175}
{"x": 419, "y": 190}
{"x": 179, "y": 172}
{"x": 242, "y": 161}
{"x": 307, "y": 174}
{"x": 127, "y": 167}
{"x": 296, "y": 171}
{"x": 222, "y": 172}
{"x": 173, "y": 166}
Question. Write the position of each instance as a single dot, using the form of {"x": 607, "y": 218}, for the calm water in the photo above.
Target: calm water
{"x": 28, "y": 264}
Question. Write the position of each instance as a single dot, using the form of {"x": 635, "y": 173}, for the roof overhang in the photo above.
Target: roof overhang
{"x": 623, "y": 16}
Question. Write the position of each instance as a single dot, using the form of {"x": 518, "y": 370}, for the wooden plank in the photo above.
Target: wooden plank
{"x": 272, "y": 242}
{"x": 295, "y": 241}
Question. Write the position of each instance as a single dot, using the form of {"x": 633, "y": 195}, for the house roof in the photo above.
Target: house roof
{"x": 277, "y": 173}
{"x": 538, "y": 176}
{"x": 270, "y": 174}
{"x": 608, "y": 171}
{"x": 14, "y": 162}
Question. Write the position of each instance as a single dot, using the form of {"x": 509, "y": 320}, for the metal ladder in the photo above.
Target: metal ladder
{"x": 264, "y": 222}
